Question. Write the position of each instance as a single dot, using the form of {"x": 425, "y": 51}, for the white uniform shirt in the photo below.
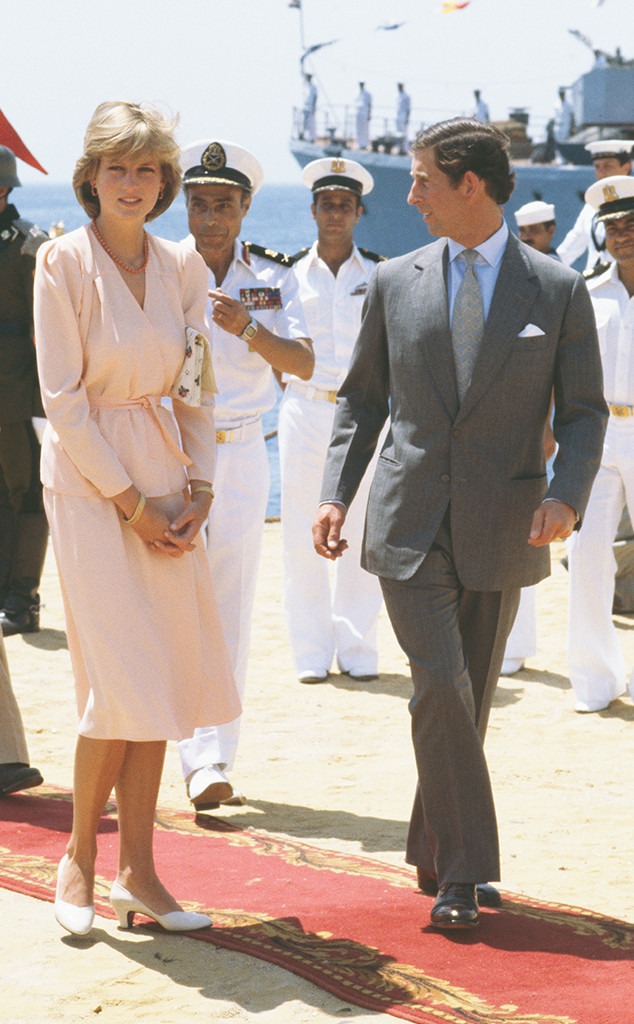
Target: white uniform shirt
{"x": 363, "y": 104}
{"x": 481, "y": 112}
{"x": 332, "y": 307}
{"x": 579, "y": 238}
{"x": 310, "y": 98}
{"x": 246, "y": 386}
{"x": 614, "y": 313}
{"x": 563, "y": 121}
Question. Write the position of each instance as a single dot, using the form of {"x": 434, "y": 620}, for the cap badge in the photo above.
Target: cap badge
{"x": 214, "y": 157}
{"x": 610, "y": 195}
{"x": 338, "y": 167}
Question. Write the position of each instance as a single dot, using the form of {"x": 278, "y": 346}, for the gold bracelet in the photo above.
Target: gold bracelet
{"x": 204, "y": 489}
{"x": 138, "y": 512}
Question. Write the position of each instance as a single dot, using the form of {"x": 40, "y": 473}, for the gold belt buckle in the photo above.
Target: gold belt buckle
{"x": 331, "y": 396}
{"x": 621, "y": 410}
{"x": 224, "y": 436}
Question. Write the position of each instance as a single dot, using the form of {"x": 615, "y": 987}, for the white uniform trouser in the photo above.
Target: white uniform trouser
{"x": 320, "y": 626}
{"x": 363, "y": 131}
{"x": 234, "y": 543}
{"x": 595, "y": 659}
{"x": 522, "y": 640}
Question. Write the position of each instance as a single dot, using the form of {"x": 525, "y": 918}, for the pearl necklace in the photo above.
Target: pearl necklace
{"x": 119, "y": 262}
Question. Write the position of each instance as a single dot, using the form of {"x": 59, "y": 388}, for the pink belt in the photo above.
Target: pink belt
{"x": 150, "y": 404}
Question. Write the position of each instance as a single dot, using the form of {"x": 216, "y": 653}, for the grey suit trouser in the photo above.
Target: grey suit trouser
{"x": 454, "y": 639}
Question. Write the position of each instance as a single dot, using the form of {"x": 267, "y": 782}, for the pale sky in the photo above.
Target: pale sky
{"x": 230, "y": 69}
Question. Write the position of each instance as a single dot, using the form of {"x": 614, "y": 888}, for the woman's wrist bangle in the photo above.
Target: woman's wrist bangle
{"x": 203, "y": 489}
{"x": 138, "y": 512}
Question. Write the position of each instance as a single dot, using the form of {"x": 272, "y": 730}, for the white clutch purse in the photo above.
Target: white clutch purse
{"x": 196, "y": 374}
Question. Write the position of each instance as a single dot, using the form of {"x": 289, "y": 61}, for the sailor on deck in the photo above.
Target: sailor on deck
{"x": 256, "y": 324}
{"x": 564, "y": 118}
{"x": 403, "y": 110}
{"x": 609, "y": 157}
{"x": 333, "y": 277}
{"x": 481, "y": 110}
{"x": 363, "y": 113}
{"x": 309, "y": 112}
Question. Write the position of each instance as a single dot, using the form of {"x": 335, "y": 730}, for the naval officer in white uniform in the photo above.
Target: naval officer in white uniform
{"x": 333, "y": 276}
{"x": 536, "y": 226}
{"x": 609, "y": 157}
{"x": 256, "y": 324}
{"x": 596, "y": 665}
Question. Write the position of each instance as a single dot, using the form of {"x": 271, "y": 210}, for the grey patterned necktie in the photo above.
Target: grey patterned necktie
{"x": 467, "y": 325}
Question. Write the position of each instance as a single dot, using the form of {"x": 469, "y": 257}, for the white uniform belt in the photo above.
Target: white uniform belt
{"x": 620, "y": 410}
{"x": 315, "y": 394}
{"x": 239, "y": 431}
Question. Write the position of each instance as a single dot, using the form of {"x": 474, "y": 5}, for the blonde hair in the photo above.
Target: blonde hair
{"x": 125, "y": 129}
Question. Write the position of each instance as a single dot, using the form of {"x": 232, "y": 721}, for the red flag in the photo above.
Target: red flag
{"x": 10, "y": 138}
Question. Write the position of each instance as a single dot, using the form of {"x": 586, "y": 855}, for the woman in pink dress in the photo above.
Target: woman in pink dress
{"x": 127, "y": 489}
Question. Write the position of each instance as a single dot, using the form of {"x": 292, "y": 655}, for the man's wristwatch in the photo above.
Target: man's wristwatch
{"x": 250, "y": 331}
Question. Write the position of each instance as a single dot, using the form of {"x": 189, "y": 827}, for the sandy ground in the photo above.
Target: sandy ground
{"x": 330, "y": 764}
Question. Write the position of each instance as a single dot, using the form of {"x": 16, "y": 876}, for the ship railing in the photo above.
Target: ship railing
{"x": 335, "y": 125}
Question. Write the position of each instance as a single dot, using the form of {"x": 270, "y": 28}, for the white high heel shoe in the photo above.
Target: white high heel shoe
{"x": 76, "y": 920}
{"x": 126, "y": 906}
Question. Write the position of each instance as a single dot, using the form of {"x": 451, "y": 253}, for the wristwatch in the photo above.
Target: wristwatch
{"x": 250, "y": 331}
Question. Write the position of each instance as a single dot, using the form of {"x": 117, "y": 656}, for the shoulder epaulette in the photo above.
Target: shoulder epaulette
{"x": 269, "y": 254}
{"x": 374, "y": 256}
{"x": 300, "y": 254}
{"x": 597, "y": 271}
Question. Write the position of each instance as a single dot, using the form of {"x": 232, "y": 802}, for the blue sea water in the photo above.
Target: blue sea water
{"x": 279, "y": 218}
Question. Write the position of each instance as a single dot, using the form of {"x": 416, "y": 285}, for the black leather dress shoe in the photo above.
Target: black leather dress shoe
{"x": 488, "y": 895}
{"x": 456, "y": 906}
{"x": 14, "y": 777}
{"x": 19, "y": 617}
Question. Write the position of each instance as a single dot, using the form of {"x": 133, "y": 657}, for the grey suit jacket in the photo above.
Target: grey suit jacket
{"x": 484, "y": 459}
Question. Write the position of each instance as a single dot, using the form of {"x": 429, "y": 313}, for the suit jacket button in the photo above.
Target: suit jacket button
{"x": 455, "y": 433}
{"x": 445, "y": 478}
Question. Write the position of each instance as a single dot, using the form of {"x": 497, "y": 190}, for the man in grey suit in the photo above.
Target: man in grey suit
{"x": 461, "y": 345}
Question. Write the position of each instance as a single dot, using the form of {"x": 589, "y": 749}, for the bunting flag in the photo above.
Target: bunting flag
{"x": 10, "y": 138}
{"x": 454, "y": 5}
{"x": 313, "y": 49}
{"x": 295, "y": 3}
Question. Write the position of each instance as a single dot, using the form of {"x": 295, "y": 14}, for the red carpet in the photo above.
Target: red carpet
{"x": 353, "y": 926}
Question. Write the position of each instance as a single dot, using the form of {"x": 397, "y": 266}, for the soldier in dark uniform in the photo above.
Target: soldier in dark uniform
{"x": 23, "y": 527}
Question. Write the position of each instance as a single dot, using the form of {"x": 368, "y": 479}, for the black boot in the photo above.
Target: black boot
{"x": 20, "y": 615}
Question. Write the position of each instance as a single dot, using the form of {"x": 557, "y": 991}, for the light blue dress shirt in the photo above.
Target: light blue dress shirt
{"x": 487, "y": 267}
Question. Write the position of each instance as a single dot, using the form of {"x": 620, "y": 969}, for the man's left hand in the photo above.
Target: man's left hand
{"x": 228, "y": 313}
{"x": 553, "y": 520}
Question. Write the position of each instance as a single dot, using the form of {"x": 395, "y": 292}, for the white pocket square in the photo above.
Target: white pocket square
{"x": 531, "y": 331}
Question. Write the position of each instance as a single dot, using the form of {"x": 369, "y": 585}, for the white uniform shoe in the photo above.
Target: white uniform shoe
{"x": 208, "y": 787}
{"x": 512, "y": 665}
{"x": 310, "y": 675}
{"x": 586, "y": 707}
